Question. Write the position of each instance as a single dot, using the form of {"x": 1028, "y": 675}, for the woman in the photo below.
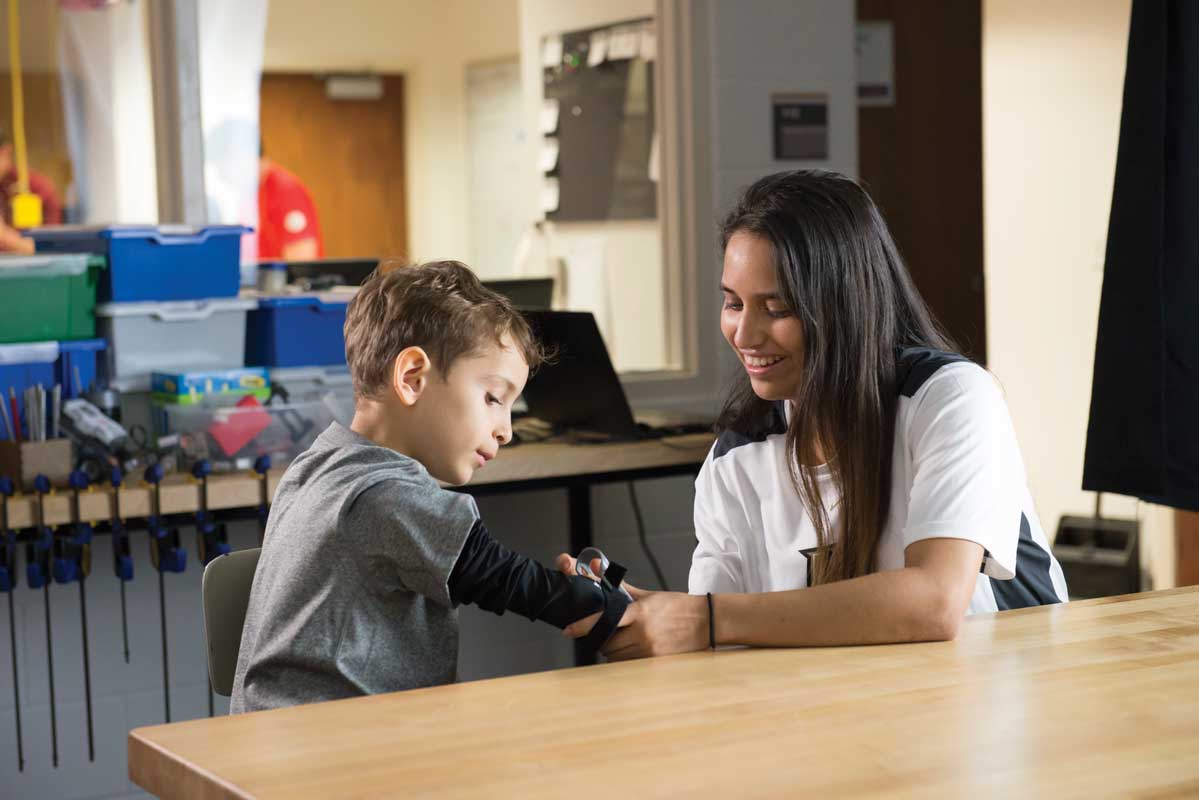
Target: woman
{"x": 866, "y": 486}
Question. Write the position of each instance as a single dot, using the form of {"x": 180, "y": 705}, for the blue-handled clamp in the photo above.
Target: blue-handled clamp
{"x": 73, "y": 551}
{"x": 212, "y": 539}
{"x": 38, "y": 550}
{"x": 122, "y": 556}
{"x": 262, "y": 465}
{"x": 166, "y": 551}
{"x": 8, "y": 540}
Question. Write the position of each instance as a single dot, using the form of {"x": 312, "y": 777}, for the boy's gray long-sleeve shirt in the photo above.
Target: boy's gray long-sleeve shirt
{"x": 350, "y": 596}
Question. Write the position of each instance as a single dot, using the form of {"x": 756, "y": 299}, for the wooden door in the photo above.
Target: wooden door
{"x": 921, "y": 158}
{"x": 350, "y": 155}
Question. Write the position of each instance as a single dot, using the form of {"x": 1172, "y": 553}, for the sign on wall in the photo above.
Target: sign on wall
{"x": 800, "y": 125}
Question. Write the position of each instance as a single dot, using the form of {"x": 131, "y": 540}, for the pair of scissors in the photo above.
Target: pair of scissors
{"x": 610, "y": 573}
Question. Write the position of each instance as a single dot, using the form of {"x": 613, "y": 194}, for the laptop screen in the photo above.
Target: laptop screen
{"x": 579, "y": 390}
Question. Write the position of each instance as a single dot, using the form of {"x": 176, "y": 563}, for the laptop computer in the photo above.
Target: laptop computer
{"x": 579, "y": 390}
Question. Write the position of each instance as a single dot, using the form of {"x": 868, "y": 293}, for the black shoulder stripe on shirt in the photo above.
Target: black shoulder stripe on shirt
{"x": 1032, "y": 585}
{"x": 917, "y": 365}
{"x": 731, "y": 440}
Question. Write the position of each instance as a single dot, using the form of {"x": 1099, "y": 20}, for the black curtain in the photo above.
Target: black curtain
{"x": 1143, "y": 434}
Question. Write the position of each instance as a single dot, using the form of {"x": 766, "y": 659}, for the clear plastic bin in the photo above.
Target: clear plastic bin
{"x": 232, "y": 436}
{"x": 330, "y": 385}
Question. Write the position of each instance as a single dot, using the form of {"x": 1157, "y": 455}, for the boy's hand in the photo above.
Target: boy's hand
{"x": 565, "y": 563}
{"x": 576, "y": 630}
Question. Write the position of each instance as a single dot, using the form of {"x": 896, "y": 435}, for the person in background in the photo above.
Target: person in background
{"x": 288, "y": 228}
{"x": 11, "y": 240}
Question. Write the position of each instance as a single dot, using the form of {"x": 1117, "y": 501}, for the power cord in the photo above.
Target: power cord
{"x": 653, "y": 562}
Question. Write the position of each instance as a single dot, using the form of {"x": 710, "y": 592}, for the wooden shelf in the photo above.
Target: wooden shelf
{"x": 180, "y": 494}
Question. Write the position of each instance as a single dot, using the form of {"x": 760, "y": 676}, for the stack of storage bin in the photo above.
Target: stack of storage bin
{"x": 168, "y": 299}
{"x": 298, "y": 338}
{"x": 47, "y": 331}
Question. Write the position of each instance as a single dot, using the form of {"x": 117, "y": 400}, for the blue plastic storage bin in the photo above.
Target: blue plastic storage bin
{"x": 297, "y": 331}
{"x": 155, "y": 263}
{"x": 48, "y": 363}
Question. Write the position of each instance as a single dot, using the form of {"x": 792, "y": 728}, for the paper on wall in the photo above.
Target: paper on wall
{"x": 649, "y": 42}
{"x": 547, "y": 120}
{"x": 597, "y": 49}
{"x": 624, "y": 42}
{"x": 547, "y": 159}
{"x": 549, "y": 195}
{"x": 551, "y": 51}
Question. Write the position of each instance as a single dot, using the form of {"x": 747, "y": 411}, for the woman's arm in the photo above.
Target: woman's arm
{"x": 924, "y": 601}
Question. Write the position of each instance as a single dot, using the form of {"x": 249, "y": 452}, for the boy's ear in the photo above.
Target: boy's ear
{"x": 410, "y": 374}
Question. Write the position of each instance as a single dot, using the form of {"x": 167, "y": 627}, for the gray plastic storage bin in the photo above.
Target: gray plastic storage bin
{"x": 172, "y": 337}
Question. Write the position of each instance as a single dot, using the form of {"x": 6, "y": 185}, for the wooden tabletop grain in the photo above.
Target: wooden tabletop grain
{"x": 1097, "y": 698}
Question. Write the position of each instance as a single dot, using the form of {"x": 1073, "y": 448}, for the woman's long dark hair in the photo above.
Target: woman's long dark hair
{"x": 841, "y": 274}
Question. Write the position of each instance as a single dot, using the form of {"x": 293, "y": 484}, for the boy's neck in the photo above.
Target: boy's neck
{"x": 372, "y": 420}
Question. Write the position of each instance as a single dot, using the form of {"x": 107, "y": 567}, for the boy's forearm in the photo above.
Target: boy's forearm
{"x": 494, "y": 578}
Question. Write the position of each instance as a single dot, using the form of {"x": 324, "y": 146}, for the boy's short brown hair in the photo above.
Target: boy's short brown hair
{"x": 440, "y": 306}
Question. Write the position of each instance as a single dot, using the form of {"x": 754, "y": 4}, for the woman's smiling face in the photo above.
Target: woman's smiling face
{"x": 756, "y": 321}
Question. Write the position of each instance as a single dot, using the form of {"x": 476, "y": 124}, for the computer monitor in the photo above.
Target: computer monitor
{"x": 534, "y": 294}
{"x": 579, "y": 389}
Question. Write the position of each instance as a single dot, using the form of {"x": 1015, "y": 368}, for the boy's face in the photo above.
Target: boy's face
{"x": 461, "y": 420}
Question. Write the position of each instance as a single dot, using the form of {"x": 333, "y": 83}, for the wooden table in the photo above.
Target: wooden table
{"x": 1095, "y": 698}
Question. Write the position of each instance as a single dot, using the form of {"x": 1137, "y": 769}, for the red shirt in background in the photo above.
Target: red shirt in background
{"x": 286, "y": 213}
{"x": 40, "y": 185}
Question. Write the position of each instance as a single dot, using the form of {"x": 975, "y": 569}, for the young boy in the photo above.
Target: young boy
{"x": 366, "y": 556}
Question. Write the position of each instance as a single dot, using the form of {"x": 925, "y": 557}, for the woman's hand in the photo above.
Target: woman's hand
{"x": 657, "y": 624}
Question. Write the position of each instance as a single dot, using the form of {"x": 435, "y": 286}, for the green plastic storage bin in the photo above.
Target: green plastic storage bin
{"x": 48, "y": 297}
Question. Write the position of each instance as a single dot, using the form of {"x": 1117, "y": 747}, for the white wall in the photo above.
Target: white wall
{"x": 784, "y": 46}
{"x": 1053, "y": 77}
{"x": 431, "y": 44}
{"x": 496, "y": 136}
